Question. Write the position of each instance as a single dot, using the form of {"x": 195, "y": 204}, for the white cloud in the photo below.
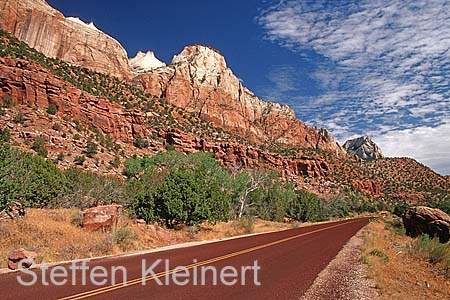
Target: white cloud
{"x": 389, "y": 68}
{"x": 429, "y": 145}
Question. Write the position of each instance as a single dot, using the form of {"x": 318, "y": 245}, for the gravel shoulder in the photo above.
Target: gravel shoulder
{"x": 345, "y": 277}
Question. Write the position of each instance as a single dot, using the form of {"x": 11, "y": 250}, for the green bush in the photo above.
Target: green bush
{"x": 5, "y": 135}
{"x": 182, "y": 189}
{"x": 432, "y": 249}
{"x": 56, "y": 127}
{"x": 19, "y": 119}
{"x": 30, "y": 180}
{"x": 91, "y": 149}
{"x": 306, "y": 207}
{"x": 87, "y": 189}
{"x": 124, "y": 237}
{"x": 140, "y": 143}
{"x": 7, "y": 102}
{"x": 39, "y": 147}
{"x": 52, "y": 109}
{"x": 79, "y": 160}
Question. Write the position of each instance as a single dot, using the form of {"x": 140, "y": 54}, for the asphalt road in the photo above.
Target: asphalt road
{"x": 287, "y": 264}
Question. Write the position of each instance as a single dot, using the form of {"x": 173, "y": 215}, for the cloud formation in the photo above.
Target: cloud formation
{"x": 385, "y": 68}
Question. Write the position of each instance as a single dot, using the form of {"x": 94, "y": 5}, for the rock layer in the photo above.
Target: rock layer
{"x": 70, "y": 39}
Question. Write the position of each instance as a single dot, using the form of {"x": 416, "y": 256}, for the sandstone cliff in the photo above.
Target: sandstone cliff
{"x": 199, "y": 81}
{"x": 70, "y": 39}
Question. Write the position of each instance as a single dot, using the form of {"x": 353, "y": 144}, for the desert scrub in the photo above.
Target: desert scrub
{"x": 124, "y": 237}
{"x": 76, "y": 219}
{"x": 434, "y": 251}
{"x": 246, "y": 224}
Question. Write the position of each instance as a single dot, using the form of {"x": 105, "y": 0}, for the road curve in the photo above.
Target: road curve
{"x": 289, "y": 261}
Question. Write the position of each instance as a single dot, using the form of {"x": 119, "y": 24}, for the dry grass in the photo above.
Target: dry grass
{"x": 56, "y": 236}
{"x": 400, "y": 272}
{"x": 239, "y": 227}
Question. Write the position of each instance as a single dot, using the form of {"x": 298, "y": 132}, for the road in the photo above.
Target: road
{"x": 287, "y": 264}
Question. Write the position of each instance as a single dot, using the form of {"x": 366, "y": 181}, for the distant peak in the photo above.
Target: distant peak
{"x": 205, "y": 54}
{"x": 364, "y": 148}
{"x": 144, "y": 62}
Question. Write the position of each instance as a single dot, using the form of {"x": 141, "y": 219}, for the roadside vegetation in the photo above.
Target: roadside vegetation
{"x": 171, "y": 188}
{"x": 420, "y": 265}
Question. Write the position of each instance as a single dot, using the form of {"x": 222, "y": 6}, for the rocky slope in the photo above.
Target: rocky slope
{"x": 70, "y": 39}
{"x": 364, "y": 148}
{"x": 199, "y": 81}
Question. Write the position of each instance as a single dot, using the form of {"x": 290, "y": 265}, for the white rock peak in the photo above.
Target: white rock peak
{"x": 80, "y": 22}
{"x": 144, "y": 62}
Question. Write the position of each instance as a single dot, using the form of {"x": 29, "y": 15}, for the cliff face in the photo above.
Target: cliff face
{"x": 199, "y": 81}
{"x": 48, "y": 31}
{"x": 30, "y": 85}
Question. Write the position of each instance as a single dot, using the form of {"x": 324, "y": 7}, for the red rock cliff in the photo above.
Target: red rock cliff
{"x": 199, "y": 81}
{"x": 48, "y": 31}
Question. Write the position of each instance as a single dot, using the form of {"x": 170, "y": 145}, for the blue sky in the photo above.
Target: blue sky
{"x": 355, "y": 67}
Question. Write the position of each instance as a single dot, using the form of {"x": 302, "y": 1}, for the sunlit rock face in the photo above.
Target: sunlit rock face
{"x": 70, "y": 39}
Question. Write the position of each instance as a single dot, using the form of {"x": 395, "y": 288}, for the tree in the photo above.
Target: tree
{"x": 39, "y": 147}
{"x": 30, "y": 180}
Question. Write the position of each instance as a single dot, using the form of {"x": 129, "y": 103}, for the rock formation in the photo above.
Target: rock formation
{"x": 424, "y": 220}
{"x": 144, "y": 62}
{"x": 364, "y": 148}
{"x": 199, "y": 81}
{"x": 101, "y": 217}
{"x": 70, "y": 39}
{"x": 19, "y": 255}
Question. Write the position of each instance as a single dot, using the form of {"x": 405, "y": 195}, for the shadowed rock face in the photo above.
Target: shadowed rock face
{"x": 424, "y": 220}
{"x": 70, "y": 39}
{"x": 364, "y": 148}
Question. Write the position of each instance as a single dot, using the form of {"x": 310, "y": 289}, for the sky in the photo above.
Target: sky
{"x": 356, "y": 67}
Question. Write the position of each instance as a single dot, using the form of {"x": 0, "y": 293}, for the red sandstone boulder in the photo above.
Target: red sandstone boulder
{"x": 18, "y": 255}
{"x": 101, "y": 217}
{"x": 424, "y": 220}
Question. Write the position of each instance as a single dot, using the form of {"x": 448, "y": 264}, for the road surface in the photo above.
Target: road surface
{"x": 279, "y": 265}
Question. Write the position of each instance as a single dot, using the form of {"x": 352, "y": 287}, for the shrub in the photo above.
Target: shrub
{"x": 77, "y": 219}
{"x": 140, "y": 143}
{"x": 5, "y": 135}
{"x": 91, "y": 149}
{"x": 31, "y": 180}
{"x": 39, "y": 147}
{"x": 306, "y": 207}
{"x": 19, "y": 119}
{"x": 56, "y": 127}
{"x": 79, "y": 160}
{"x": 7, "y": 101}
{"x": 60, "y": 156}
{"x": 380, "y": 254}
{"x": 124, "y": 237}
{"x": 432, "y": 249}
{"x": 52, "y": 109}
{"x": 182, "y": 189}
{"x": 87, "y": 189}
{"x": 246, "y": 223}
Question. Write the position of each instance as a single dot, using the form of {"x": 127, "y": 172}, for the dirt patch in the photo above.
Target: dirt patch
{"x": 346, "y": 277}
